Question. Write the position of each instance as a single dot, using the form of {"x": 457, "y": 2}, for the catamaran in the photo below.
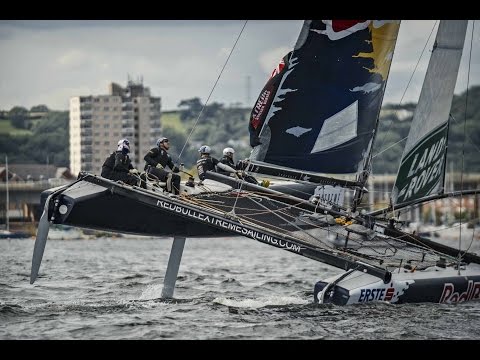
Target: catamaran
{"x": 314, "y": 123}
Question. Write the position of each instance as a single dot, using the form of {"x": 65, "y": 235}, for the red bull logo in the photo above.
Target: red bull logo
{"x": 449, "y": 295}
{"x": 339, "y": 29}
{"x": 260, "y": 106}
{"x": 341, "y": 25}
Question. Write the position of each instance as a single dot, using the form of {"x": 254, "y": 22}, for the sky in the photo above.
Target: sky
{"x": 49, "y": 61}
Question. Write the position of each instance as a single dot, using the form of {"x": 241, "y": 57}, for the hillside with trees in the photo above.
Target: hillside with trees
{"x": 40, "y": 135}
{"x": 27, "y": 137}
{"x": 393, "y": 130}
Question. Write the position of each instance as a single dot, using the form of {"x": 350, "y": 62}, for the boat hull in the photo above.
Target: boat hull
{"x": 436, "y": 285}
{"x": 97, "y": 203}
{"x": 104, "y": 205}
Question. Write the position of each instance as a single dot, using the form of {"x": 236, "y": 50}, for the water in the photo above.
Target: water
{"x": 228, "y": 288}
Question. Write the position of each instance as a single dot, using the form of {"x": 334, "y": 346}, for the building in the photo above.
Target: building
{"x": 98, "y": 122}
{"x": 21, "y": 195}
{"x": 34, "y": 172}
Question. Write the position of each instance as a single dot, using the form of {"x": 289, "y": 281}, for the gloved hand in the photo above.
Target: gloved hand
{"x": 133, "y": 171}
{"x": 159, "y": 166}
{"x": 243, "y": 163}
{"x": 239, "y": 173}
{"x": 176, "y": 169}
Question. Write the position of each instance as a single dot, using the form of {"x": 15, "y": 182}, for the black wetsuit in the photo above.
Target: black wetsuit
{"x": 117, "y": 166}
{"x": 205, "y": 164}
{"x": 227, "y": 160}
{"x": 159, "y": 156}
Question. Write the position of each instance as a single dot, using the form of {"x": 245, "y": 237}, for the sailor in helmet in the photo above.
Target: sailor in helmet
{"x": 227, "y": 159}
{"x": 209, "y": 163}
{"x": 157, "y": 159}
{"x": 241, "y": 165}
{"x": 118, "y": 165}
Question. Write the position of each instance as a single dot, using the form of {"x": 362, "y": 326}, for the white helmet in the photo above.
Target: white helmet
{"x": 228, "y": 151}
{"x": 204, "y": 149}
{"x": 124, "y": 146}
{"x": 161, "y": 140}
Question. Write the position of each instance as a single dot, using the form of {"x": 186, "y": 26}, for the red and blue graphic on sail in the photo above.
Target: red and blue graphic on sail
{"x": 318, "y": 112}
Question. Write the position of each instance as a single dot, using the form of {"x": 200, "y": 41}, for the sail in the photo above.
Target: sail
{"x": 318, "y": 111}
{"x": 422, "y": 168}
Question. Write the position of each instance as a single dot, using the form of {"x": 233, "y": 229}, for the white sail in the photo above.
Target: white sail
{"x": 421, "y": 171}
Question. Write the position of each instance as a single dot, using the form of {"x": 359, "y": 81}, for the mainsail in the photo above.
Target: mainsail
{"x": 422, "y": 168}
{"x": 318, "y": 112}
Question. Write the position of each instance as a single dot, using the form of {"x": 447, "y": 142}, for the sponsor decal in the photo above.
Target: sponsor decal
{"x": 289, "y": 175}
{"x": 389, "y": 292}
{"x": 330, "y": 194}
{"x": 376, "y": 294}
{"x": 450, "y": 296}
{"x": 225, "y": 224}
{"x": 260, "y": 107}
{"x": 421, "y": 170}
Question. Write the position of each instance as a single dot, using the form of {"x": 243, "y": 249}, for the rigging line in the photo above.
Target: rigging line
{"x": 381, "y": 152}
{"x": 361, "y": 243}
{"x": 327, "y": 246}
{"x": 408, "y": 84}
{"x": 471, "y": 242}
{"x": 209, "y": 95}
{"x": 405, "y": 91}
{"x": 468, "y": 137}
{"x": 463, "y": 148}
{"x": 239, "y": 190}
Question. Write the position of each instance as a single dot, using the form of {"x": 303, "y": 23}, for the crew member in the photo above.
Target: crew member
{"x": 209, "y": 163}
{"x": 157, "y": 159}
{"x": 118, "y": 166}
{"x": 240, "y": 166}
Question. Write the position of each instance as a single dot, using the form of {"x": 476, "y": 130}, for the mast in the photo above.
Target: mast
{"x": 362, "y": 177}
{"x": 7, "y": 220}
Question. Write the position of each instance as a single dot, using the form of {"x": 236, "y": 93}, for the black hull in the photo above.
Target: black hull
{"x": 97, "y": 203}
{"x": 117, "y": 208}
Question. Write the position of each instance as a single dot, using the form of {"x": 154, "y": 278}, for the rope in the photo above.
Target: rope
{"x": 406, "y": 88}
{"x": 209, "y": 95}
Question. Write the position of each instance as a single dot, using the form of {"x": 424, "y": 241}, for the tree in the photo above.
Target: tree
{"x": 192, "y": 108}
{"x": 50, "y": 139}
{"x": 39, "y": 108}
{"x": 177, "y": 140}
{"x": 18, "y": 117}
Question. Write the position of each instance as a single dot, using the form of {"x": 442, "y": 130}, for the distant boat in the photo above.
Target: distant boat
{"x": 6, "y": 234}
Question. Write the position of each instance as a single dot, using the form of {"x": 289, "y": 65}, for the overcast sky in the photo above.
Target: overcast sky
{"x": 47, "y": 62}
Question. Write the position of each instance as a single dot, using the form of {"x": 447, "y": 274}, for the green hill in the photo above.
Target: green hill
{"x": 6, "y": 128}
{"x": 220, "y": 126}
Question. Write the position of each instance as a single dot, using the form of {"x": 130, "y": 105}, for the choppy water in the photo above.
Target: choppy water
{"x": 228, "y": 288}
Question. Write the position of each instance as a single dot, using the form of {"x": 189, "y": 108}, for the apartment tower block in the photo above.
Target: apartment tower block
{"x": 98, "y": 122}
